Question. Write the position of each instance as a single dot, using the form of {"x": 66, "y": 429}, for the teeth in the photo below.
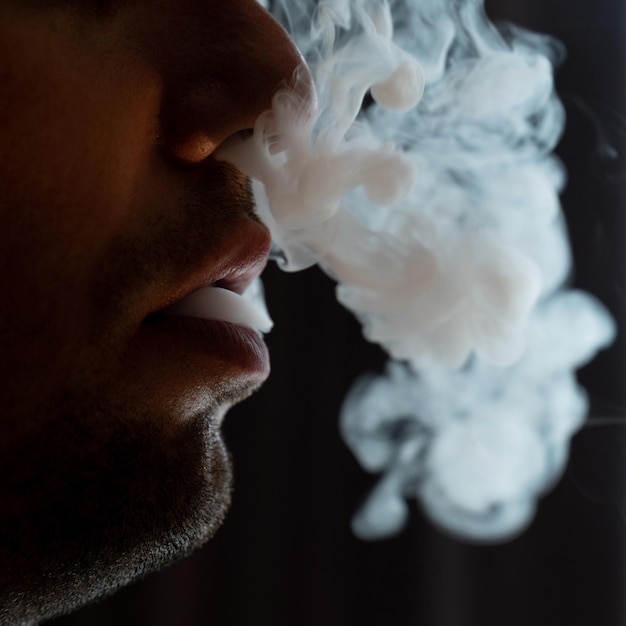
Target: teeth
{"x": 215, "y": 303}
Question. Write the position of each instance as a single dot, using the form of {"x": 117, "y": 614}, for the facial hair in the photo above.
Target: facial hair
{"x": 110, "y": 498}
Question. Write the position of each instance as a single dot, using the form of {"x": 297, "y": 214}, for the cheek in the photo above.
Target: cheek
{"x": 75, "y": 137}
{"x": 76, "y": 142}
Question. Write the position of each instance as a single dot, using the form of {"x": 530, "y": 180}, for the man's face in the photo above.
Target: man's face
{"x": 112, "y": 208}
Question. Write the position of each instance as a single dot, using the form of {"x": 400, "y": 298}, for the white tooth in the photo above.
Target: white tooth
{"x": 215, "y": 303}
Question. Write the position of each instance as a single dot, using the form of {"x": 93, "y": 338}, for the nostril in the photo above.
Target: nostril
{"x": 235, "y": 140}
{"x": 245, "y": 134}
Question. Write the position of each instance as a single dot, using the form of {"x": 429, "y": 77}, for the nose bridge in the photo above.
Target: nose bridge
{"x": 225, "y": 70}
{"x": 266, "y": 57}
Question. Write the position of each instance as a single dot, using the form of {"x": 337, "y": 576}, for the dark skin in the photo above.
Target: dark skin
{"x": 112, "y": 208}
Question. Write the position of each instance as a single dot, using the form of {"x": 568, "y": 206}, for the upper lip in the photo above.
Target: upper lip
{"x": 245, "y": 254}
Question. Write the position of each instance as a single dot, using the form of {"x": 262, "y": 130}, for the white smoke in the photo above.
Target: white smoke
{"x": 435, "y": 207}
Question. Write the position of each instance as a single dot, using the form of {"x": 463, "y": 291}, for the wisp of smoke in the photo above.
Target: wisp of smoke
{"x": 423, "y": 182}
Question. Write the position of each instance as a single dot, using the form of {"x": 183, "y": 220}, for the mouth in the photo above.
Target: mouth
{"x": 208, "y": 351}
{"x": 210, "y": 323}
{"x": 216, "y": 303}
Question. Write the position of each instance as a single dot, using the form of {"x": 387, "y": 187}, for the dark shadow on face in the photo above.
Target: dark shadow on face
{"x": 101, "y": 499}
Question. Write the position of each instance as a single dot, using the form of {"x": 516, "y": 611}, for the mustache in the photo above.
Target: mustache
{"x": 172, "y": 239}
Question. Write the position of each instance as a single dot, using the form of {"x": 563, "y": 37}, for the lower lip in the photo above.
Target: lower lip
{"x": 239, "y": 349}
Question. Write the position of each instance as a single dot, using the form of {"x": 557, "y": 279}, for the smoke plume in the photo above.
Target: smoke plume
{"x": 423, "y": 182}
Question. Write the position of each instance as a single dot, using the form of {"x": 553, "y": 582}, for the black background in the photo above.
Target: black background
{"x": 286, "y": 556}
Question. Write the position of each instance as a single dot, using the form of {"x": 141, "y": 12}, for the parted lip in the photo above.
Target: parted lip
{"x": 245, "y": 254}
{"x": 204, "y": 353}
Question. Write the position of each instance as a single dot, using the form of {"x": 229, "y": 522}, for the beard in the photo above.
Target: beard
{"x": 111, "y": 459}
{"x": 104, "y": 496}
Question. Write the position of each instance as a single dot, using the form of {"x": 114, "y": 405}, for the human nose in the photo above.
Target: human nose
{"x": 221, "y": 75}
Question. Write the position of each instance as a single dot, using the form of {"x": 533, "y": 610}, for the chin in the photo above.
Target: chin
{"x": 102, "y": 499}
